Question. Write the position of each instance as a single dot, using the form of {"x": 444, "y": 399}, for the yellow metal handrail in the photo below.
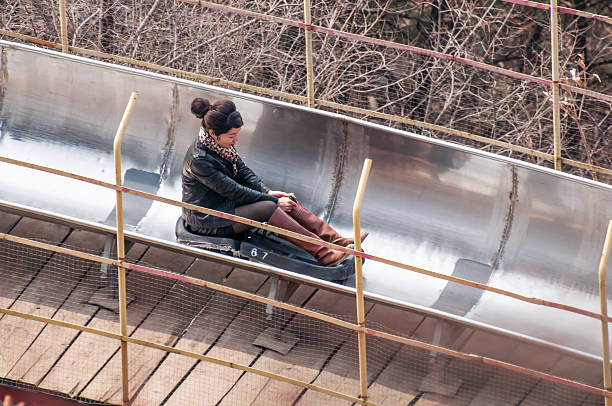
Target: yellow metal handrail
{"x": 603, "y": 298}
{"x": 121, "y": 244}
{"x": 363, "y": 180}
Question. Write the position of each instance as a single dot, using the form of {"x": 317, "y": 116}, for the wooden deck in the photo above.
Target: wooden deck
{"x": 211, "y": 323}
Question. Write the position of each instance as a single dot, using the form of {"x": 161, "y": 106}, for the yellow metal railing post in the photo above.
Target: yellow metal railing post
{"x": 121, "y": 246}
{"x": 363, "y": 370}
{"x": 63, "y": 25}
{"x": 603, "y": 298}
{"x": 309, "y": 66}
{"x": 554, "y": 42}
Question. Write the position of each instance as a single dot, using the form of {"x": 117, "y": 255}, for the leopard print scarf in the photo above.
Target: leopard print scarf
{"x": 227, "y": 153}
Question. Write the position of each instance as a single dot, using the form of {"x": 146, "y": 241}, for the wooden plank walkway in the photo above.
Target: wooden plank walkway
{"x": 219, "y": 325}
{"x": 99, "y": 352}
{"x": 341, "y": 373}
{"x": 155, "y": 358}
{"x": 44, "y": 349}
{"x": 25, "y": 278}
{"x": 155, "y": 328}
{"x": 215, "y": 380}
{"x": 303, "y": 362}
{"x": 235, "y": 343}
{"x": 540, "y": 394}
{"x": 8, "y": 221}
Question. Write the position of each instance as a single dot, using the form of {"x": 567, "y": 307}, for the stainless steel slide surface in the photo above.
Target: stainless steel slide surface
{"x": 430, "y": 204}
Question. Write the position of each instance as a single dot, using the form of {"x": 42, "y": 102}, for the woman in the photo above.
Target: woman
{"x": 215, "y": 177}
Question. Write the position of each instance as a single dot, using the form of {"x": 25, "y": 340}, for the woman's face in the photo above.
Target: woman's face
{"x": 227, "y": 139}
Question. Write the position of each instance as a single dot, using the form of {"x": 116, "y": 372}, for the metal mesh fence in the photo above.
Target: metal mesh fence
{"x": 45, "y": 284}
{"x": 200, "y": 320}
{"x": 586, "y": 123}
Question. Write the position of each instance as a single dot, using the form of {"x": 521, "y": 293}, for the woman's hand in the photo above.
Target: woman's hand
{"x": 286, "y": 204}
{"x": 279, "y": 194}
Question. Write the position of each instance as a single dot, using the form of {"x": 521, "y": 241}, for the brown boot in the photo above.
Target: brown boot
{"x": 324, "y": 255}
{"x": 319, "y": 227}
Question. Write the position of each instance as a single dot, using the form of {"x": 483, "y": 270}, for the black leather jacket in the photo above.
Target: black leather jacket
{"x": 209, "y": 181}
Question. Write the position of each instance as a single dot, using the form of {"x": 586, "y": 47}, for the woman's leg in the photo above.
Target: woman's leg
{"x": 268, "y": 211}
{"x": 319, "y": 227}
{"x": 258, "y": 211}
{"x": 324, "y": 255}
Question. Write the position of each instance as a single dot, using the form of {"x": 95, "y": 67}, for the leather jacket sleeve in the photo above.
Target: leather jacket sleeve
{"x": 210, "y": 176}
{"x": 247, "y": 177}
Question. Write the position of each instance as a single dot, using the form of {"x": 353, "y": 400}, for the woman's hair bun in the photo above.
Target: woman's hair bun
{"x": 199, "y": 107}
{"x": 234, "y": 120}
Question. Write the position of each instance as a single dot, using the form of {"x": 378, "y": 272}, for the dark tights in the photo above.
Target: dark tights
{"x": 258, "y": 211}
